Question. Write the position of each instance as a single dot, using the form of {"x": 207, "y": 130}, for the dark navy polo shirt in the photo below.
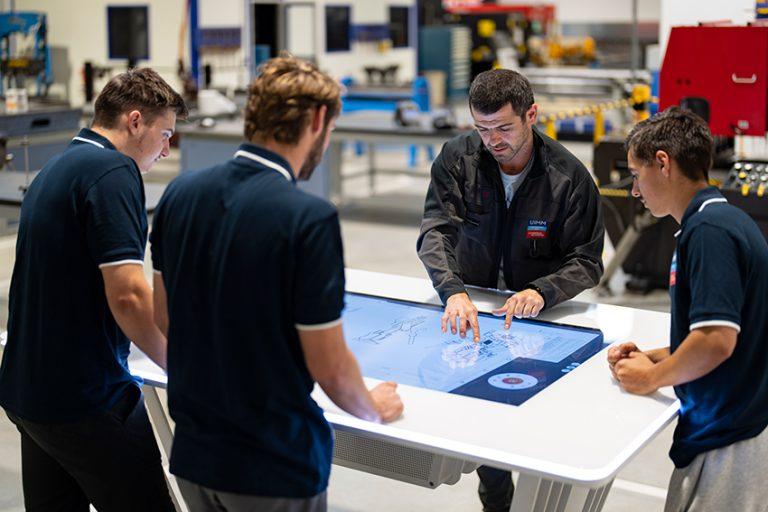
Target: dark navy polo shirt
{"x": 246, "y": 257}
{"x": 719, "y": 276}
{"x": 66, "y": 358}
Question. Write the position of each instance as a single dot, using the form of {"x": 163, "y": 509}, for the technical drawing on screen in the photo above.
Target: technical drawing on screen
{"x": 401, "y": 341}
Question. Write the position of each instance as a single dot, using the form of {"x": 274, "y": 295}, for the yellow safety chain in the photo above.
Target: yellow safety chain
{"x": 639, "y": 100}
{"x": 613, "y": 192}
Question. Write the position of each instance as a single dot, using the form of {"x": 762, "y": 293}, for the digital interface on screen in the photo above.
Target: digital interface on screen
{"x": 401, "y": 341}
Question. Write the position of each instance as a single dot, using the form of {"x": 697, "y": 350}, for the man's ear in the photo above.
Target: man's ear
{"x": 532, "y": 114}
{"x": 134, "y": 121}
{"x": 318, "y": 119}
{"x": 662, "y": 158}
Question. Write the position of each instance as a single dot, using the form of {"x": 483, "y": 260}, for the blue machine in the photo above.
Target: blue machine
{"x": 382, "y": 97}
{"x": 387, "y": 99}
{"x": 654, "y": 106}
{"x": 37, "y": 65}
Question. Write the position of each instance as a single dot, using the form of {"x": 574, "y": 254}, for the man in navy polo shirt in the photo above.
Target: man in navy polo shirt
{"x": 718, "y": 354}
{"x": 249, "y": 286}
{"x": 78, "y": 294}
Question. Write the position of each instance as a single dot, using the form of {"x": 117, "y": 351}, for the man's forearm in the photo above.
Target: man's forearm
{"x": 134, "y": 315}
{"x": 437, "y": 251}
{"x": 335, "y": 369}
{"x": 347, "y": 390}
{"x": 160, "y": 303}
{"x": 697, "y": 356}
{"x": 658, "y": 354}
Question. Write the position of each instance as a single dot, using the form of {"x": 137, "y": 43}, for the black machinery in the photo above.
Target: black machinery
{"x": 644, "y": 245}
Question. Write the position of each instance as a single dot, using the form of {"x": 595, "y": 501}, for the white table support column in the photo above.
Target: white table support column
{"x": 372, "y": 168}
{"x": 158, "y": 418}
{"x": 164, "y": 435}
{"x": 535, "y": 494}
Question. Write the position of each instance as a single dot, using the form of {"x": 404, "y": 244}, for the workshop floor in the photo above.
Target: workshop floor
{"x": 380, "y": 232}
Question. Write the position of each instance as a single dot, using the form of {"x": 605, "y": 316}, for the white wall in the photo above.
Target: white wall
{"x": 351, "y": 63}
{"x": 220, "y": 13}
{"x": 605, "y": 11}
{"x": 229, "y": 66}
{"x": 600, "y": 11}
{"x": 690, "y": 12}
{"x": 82, "y": 28}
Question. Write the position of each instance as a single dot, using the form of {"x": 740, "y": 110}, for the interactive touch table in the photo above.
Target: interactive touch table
{"x": 537, "y": 399}
{"x": 397, "y": 340}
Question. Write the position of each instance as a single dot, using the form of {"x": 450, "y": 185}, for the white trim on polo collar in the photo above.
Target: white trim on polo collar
{"x": 89, "y": 141}
{"x": 263, "y": 161}
{"x": 713, "y": 200}
{"x": 704, "y": 205}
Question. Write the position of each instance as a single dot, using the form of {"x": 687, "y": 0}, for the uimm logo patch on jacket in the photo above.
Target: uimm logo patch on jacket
{"x": 536, "y": 229}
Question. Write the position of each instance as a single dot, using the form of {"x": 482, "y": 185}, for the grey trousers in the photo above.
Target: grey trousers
{"x": 731, "y": 478}
{"x": 202, "y": 499}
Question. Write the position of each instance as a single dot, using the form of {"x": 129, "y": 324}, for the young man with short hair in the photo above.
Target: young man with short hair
{"x": 78, "y": 295}
{"x": 717, "y": 360}
{"x": 249, "y": 286}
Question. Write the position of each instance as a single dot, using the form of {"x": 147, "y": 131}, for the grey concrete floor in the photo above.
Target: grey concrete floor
{"x": 380, "y": 234}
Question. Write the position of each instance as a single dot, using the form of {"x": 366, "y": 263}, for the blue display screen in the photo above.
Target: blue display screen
{"x": 402, "y": 342}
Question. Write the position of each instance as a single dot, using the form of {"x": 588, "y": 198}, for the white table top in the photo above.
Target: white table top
{"x": 581, "y": 429}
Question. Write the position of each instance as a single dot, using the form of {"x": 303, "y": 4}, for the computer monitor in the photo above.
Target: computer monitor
{"x": 128, "y": 32}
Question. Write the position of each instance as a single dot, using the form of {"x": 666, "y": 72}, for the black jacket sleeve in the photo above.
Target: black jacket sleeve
{"x": 439, "y": 235}
{"x": 582, "y": 246}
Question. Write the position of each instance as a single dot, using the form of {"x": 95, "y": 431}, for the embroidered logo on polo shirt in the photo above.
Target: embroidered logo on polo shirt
{"x": 673, "y": 271}
{"x": 536, "y": 229}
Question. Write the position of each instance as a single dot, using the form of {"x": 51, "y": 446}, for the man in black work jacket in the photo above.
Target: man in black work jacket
{"x": 512, "y": 209}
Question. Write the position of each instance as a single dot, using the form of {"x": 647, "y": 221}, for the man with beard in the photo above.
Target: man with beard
{"x": 508, "y": 208}
{"x": 249, "y": 287}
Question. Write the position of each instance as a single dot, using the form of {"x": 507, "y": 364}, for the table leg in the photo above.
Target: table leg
{"x": 541, "y": 495}
{"x": 624, "y": 248}
{"x": 333, "y": 158}
{"x": 164, "y": 435}
{"x": 159, "y": 419}
{"x": 371, "y": 167}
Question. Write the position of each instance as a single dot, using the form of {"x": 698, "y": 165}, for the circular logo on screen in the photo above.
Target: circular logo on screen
{"x": 512, "y": 381}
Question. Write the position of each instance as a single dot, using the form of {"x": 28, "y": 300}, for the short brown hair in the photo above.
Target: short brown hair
{"x": 282, "y": 97}
{"x": 491, "y": 90}
{"x": 139, "y": 89}
{"x": 683, "y": 135}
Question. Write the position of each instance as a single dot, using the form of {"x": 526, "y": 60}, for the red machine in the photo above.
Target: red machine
{"x": 727, "y": 66}
{"x": 543, "y": 13}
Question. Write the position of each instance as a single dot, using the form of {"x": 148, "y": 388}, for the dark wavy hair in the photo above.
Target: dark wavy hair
{"x": 491, "y": 90}
{"x": 683, "y": 135}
